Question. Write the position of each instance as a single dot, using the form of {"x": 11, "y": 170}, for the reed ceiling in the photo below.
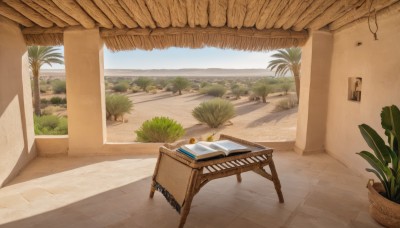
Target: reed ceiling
{"x": 147, "y": 24}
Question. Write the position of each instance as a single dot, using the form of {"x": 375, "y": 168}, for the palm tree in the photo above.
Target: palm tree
{"x": 288, "y": 59}
{"x": 38, "y": 56}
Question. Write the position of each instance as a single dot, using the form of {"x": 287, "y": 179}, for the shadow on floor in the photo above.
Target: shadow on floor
{"x": 273, "y": 116}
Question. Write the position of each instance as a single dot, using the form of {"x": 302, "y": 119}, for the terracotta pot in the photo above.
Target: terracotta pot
{"x": 384, "y": 211}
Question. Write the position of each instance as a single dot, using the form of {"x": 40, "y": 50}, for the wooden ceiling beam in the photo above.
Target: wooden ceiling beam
{"x": 286, "y": 14}
{"x": 29, "y": 13}
{"x": 281, "y": 7}
{"x": 14, "y": 15}
{"x": 95, "y": 13}
{"x": 254, "y": 8}
{"x": 300, "y": 10}
{"x": 360, "y": 12}
{"x": 217, "y": 12}
{"x": 266, "y": 13}
{"x": 70, "y": 7}
{"x": 103, "y": 7}
{"x": 315, "y": 9}
{"x": 53, "y": 8}
{"x": 45, "y": 13}
{"x": 120, "y": 13}
{"x": 140, "y": 12}
{"x": 335, "y": 11}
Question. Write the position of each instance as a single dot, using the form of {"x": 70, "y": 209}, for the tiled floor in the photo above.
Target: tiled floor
{"x": 113, "y": 192}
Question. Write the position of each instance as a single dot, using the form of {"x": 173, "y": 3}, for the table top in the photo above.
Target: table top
{"x": 258, "y": 153}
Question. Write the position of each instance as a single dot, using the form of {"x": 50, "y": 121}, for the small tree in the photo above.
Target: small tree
{"x": 179, "y": 84}
{"x": 238, "y": 90}
{"x": 286, "y": 86}
{"x": 262, "y": 89}
{"x": 117, "y": 105}
{"x": 143, "y": 83}
{"x": 214, "y": 112}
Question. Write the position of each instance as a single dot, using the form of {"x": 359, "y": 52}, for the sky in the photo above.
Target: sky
{"x": 179, "y": 58}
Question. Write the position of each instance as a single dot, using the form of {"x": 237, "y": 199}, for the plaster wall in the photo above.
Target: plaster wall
{"x": 83, "y": 50}
{"x": 315, "y": 72}
{"x": 17, "y": 139}
{"x": 378, "y": 63}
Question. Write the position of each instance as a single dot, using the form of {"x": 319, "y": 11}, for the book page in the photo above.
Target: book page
{"x": 229, "y": 146}
{"x": 198, "y": 149}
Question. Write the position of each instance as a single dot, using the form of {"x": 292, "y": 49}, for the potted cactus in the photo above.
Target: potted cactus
{"x": 384, "y": 195}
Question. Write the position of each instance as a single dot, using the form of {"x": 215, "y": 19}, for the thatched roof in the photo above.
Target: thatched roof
{"x": 148, "y": 24}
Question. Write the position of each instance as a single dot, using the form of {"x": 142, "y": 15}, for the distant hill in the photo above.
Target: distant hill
{"x": 216, "y": 72}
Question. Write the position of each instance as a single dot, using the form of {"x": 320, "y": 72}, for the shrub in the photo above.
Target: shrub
{"x": 121, "y": 87}
{"x": 117, "y": 105}
{"x": 58, "y": 86}
{"x": 160, "y": 129}
{"x": 179, "y": 84}
{"x": 44, "y": 101}
{"x": 262, "y": 90}
{"x": 239, "y": 90}
{"x": 57, "y": 100}
{"x": 50, "y": 125}
{"x": 287, "y": 103}
{"x": 286, "y": 86}
{"x": 143, "y": 82}
{"x": 215, "y": 90}
{"x": 214, "y": 112}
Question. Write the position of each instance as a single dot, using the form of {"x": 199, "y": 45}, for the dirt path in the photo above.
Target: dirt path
{"x": 254, "y": 120}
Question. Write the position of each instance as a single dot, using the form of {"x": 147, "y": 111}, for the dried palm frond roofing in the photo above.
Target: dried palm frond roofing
{"x": 147, "y": 24}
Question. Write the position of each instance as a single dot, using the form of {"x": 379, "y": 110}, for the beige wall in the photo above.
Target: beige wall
{"x": 378, "y": 63}
{"x": 83, "y": 51}
{"x": 315, "y": 71}
{"x": 17, "y": 145}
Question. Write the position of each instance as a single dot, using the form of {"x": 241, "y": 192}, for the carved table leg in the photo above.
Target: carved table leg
{"x": 239, "y": 177}
{"x": 276, "y": 181}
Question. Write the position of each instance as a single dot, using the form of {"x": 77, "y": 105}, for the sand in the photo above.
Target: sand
{"x": 254, "y": 120}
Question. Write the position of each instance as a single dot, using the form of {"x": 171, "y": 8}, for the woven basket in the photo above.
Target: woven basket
{"x": 384, "y": 211}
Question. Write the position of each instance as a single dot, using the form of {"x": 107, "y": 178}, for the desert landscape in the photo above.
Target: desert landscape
{"x": 253, "y": 119}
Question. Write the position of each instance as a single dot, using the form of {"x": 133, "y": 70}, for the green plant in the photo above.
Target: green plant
{"x": 50, "y": 125}
{"x": 117, "y": 105}
{"x": 143, "y": 83}
{"x": 214, "y": 112}
{"x": 57, "y": 100}
{"x": 179, "y": 84}
{"x": 44, "y": 101}
{"x": 121, "y": 87}
{"x": 262, "y": 89}
{"x": 238, "y": 90}
{"x": 286, "y": 60}
{"x": 385, "y": 158}
{"x": 285, "y": 86}
{"x": 59, "y": 86}
{"x": 38, "y": 56}
{"x": 215, "y": 90}
{"x": 287, "y": 103}
{"x": 160, "y": 129}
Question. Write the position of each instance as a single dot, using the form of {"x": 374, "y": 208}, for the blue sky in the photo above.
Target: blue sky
{"x": 177, "y": 58}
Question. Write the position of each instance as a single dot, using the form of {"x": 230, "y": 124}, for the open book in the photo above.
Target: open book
{"x": 203, "y": 150}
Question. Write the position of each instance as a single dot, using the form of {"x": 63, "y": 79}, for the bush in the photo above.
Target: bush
{"x": 44, "y": 101}
{"x": 121, "y": 87}
{"x": 160, "y": 129}
{"x": 238, "y": 91}
{"x": 58, "y": 86}
{"x": 262, "y": 90}
{"x": 143, "y": 83}
{"x": 117, "y": 105}
{"x": 286, "y": 86}
{"x": 50, "y": 125}
{"x": 287, "y": 103}
{"x": 215, "y": 90}
{"x": 179, "y": 84}
{"x": 58, "y": 100}
{"x": 214, "y": 112}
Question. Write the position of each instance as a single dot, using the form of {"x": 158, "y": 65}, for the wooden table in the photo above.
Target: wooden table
{"x": 201, "y": 172}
